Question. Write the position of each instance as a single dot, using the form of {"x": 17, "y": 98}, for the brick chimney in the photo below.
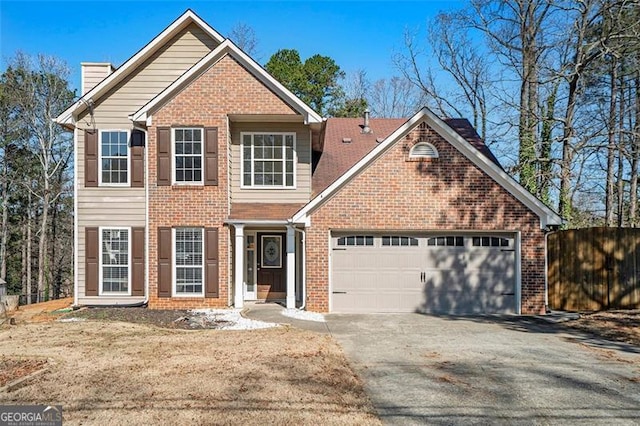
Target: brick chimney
{"x": 93, "y": 73}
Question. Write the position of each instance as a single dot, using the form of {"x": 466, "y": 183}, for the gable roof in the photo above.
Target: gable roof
{"x": 227, "y": 47}
{"x": 467, "y": 148}
{"x": 338, "y": 157}
{"x": 184, "y": 20}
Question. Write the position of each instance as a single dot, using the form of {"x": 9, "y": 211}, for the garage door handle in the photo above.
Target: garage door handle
{"x": 508, "y": 294}
{"x": 508, "y": 250}
{"x": 339, "y": 248}
{"x": 339, "y": 292}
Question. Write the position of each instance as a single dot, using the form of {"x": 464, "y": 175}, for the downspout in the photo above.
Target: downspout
{"x": 304, "y": 269}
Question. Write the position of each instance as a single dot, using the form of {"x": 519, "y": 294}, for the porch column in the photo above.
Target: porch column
{"x": 291, "y": 267}
{"x": 239, "y": 267}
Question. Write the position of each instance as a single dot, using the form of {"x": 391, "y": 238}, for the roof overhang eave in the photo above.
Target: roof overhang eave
{"x": 261, "y": 222}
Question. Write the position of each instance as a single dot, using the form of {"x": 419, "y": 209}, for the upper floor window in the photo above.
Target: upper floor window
{"x": 423, "y": 150}
{"x": 268, "y": 160}
{"x": 114, "y": 157}
{"x": 187, "y": 151}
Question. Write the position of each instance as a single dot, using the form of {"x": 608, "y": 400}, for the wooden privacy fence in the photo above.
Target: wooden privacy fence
{"x": 594, "y": 269}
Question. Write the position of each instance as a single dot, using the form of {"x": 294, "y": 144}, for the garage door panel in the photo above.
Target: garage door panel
{"x": 444, "y": 258}
{"x": 495, "y": 258}
{"x": 424, "y": 278}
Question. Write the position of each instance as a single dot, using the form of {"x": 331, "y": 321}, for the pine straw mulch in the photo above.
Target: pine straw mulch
{"x": 619, "y": 326}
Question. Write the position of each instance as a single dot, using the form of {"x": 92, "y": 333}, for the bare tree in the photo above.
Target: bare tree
{"x": 41, "y": 92}
{"x": 244, "y": 36}
{"x": 396, "y": 97}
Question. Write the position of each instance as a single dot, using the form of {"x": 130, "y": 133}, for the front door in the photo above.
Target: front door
{"x": 272, "y": 266}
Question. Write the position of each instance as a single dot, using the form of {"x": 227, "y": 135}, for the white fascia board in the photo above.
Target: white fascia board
{"x": 227, "y": 47}
{"x": 546, "y": 215}
{"x": 181, "y": 22}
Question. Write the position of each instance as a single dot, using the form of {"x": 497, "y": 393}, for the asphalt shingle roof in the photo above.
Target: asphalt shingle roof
{"x": 338, "y": 156}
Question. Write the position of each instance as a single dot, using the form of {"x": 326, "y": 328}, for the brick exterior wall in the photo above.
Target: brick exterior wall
{"x": 225, "y": 88}
{"x": 447, "y": 193}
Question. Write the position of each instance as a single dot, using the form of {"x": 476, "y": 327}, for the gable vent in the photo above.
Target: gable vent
{"x": 423, "y": 150}
{"x": 346, "y": 140}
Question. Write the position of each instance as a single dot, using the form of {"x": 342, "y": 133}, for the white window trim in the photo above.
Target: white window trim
{"x": 173, "y": 157}
{"x": 295, "y": 161}
{"x": 174, "y": 265}
{"x": 107, "y": 184}
{"x": 100, "y": 276}
{"x": 413, "y": 156}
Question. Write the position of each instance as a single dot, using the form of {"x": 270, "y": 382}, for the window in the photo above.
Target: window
{"x": 490, "y": 242}
{"x": 399, "y": 241}
{"x": 187, "y": 150}
{"x": 189, "y": 267}
{"x": 356, "y": 240}
{"x": 114, "y": 257}
{"x": 447, "y": 241}
{"x": 268, "y": 160}
{"x": 423, "y": 150}
{"x": 114, "y": 157}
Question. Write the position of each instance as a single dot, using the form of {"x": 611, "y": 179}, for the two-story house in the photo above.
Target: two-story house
{"x": 201, "y": 181}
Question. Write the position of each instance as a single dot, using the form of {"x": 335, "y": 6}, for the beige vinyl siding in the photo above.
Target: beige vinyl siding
{"x": 104, "y": 206}
{"x": 155, "y": 74}
{"x": 302, "y": 191}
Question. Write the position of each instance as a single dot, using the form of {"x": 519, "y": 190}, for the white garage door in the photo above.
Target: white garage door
{"x": 449, "y": 274}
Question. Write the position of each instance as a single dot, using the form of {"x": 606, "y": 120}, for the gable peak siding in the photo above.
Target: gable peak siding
{"x": 447, "y": 193}
{"x": 156, "y": 73}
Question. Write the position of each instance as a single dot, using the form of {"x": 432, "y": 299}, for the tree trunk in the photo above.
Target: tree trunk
{"x": 564, "y": 203}
{"x": 4, "y": 232}
{"x": 621, "y": 148}
{"x": 28, "y": 262}
{"x": 611, "y": 146}
{"x": 635, "y": 157}
{"x": 546, "y": 139}
{"x": 42, "y": 245}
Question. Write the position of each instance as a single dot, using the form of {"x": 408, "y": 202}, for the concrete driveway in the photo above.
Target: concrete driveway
{"x": 422, "y": 369}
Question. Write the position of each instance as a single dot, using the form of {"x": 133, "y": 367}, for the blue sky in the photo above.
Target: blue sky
{"x": 357, "y": 34}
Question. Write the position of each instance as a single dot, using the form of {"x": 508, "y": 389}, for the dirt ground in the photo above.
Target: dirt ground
{"x": 621, "y": 326}
{"x": 123, "y": 373}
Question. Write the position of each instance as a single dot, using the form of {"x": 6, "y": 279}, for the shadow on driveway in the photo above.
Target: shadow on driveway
{"x": 426, "y": 369}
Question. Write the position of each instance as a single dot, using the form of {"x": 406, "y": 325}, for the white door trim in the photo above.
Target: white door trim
{"x": 250, "y": 295}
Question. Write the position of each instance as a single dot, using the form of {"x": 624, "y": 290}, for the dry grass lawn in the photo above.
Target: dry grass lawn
{"x": 123, "y": 373}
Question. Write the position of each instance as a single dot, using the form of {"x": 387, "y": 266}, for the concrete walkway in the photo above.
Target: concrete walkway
{"x": 272, "y": 312}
